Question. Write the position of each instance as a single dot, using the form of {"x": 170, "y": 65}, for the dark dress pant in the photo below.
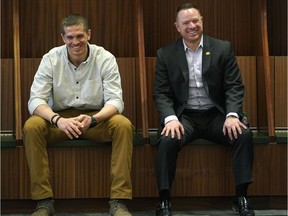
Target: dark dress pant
{"x": 208, "y": 125}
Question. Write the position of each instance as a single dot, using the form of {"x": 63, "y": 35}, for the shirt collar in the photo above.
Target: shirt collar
{"x": 66, "y": 54}
{"x": 200, "y": 44}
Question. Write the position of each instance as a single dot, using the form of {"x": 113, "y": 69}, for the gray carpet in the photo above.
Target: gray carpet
{"x": 186, "y": 213}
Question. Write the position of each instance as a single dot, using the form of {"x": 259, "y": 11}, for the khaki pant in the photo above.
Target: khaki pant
{"x": 38, "y": 132}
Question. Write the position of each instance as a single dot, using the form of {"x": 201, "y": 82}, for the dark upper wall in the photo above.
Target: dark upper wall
{"x": 231, "y": 20}
{"x": 113, "y": 24}
{"x": 277, "y": 27}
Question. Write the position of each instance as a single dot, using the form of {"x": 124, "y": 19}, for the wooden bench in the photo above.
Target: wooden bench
{"x": 81, "y": 169}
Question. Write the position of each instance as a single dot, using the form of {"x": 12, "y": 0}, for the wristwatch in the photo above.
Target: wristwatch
{"x": 93, "y": 122}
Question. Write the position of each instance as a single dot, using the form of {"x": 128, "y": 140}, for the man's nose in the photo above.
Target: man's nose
{"x": 191, "y": 25}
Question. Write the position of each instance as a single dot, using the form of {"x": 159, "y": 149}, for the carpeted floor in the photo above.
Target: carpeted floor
{"x": 186, "y": 213}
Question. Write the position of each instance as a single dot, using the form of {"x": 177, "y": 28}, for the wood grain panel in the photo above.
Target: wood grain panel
{"x": 267, "y": 69}
{"x": 201, "y": 167}
{"x": 211, "y": 175}
{"x": 110, "y": 22}
{"x": 62, "y": 171}
{"x": 247, "y": 65}
{"x": 128, "y": 75}
{"x": 280, "y": 91}
{"x": 29, "y": 67}
{"x": 270, "y": 170}
{"x": 6, "y": 29}
{"x": 7, "y": 95}
{"x": 113, "y": 24}
{"x": 9, "y": 173}
{"x": 153, "y": 114}
{"x": 202, "y": 170}
{"x": 142, "y": 68}
{"x": 92, "y": 169}
{"x": 143, "y": 172}
{"x": 262, "y": 119}
{"x": 224, "y": 19}
{"x": 17, "y": 68}
{"x": 277, "y": 27}
{"x": 24, "y": 184}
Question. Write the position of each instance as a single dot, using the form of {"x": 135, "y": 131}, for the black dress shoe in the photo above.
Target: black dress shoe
{"x": 242, "y": 207}
{"x": 164, "y": 208}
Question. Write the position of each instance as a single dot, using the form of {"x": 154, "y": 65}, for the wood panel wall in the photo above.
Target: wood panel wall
{"x": 277, "y": 27}
{"x": 7, "y": 95}
{"x": 280, "y": 91}
{"x": 84, "y": 172}
{"x": 224, "y": 19}
{"x": 113, "y": 24}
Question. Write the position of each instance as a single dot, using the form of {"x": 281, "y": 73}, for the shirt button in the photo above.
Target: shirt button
{"x": 76, "y": 97}
{"x": 77, "y": 82}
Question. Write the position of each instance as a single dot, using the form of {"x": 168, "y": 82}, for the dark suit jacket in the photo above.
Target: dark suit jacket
{"x": 220, "y": 74}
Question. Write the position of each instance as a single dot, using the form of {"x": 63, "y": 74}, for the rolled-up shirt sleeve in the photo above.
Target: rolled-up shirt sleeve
{"x": 112, "y": 85}
{"x": 42, "y": 84}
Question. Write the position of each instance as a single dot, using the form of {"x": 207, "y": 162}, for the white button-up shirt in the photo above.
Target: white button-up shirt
{"x": 94, "y": 84}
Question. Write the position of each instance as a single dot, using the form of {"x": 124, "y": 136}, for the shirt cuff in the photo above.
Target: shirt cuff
{"x": 170, "y": 118}
{"x": 232, "y": 114}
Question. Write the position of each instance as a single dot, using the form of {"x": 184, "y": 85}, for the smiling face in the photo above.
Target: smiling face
{"x": 189, "y": 24}
{"x": 76, "y": 40}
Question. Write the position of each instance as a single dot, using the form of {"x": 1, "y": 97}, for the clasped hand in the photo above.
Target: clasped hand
{"x": 75, "y": 126}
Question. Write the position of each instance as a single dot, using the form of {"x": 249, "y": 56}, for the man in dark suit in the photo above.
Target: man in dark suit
{"x": 198, "y": 92}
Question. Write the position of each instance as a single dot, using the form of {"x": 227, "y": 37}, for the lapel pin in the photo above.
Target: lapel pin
{"x": 207, "y": 53}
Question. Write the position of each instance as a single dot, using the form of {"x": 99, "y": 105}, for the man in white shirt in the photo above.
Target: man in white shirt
{"x": 77, "y": 93}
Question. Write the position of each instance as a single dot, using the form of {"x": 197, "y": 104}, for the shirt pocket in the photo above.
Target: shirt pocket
{"x": 92, "y": 91}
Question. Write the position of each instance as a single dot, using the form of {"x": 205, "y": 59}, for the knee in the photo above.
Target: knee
{"x": 34, "y": 124}
{"x": 247, "y": 135}
{"x": 122, "y": 123}
{"x": 168, "y": 143}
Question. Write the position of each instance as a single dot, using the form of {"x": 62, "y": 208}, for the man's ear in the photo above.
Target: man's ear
{"x": 89, "y": 34}
{"x": 177, "y": 26}
{"x": 63, "y": 37}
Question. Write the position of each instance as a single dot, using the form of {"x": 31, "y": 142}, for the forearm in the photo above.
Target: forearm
{"x": 106, "y": 112}
{"x": 44, "y": 111}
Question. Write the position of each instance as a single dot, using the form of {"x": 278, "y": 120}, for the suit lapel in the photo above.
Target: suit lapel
{"x": 181, "y": 57}
{"x": 206, "y": 55}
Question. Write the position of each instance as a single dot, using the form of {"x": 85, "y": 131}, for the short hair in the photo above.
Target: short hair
{"x": 74, "y": 19}
{"x": 186, "y": 5}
